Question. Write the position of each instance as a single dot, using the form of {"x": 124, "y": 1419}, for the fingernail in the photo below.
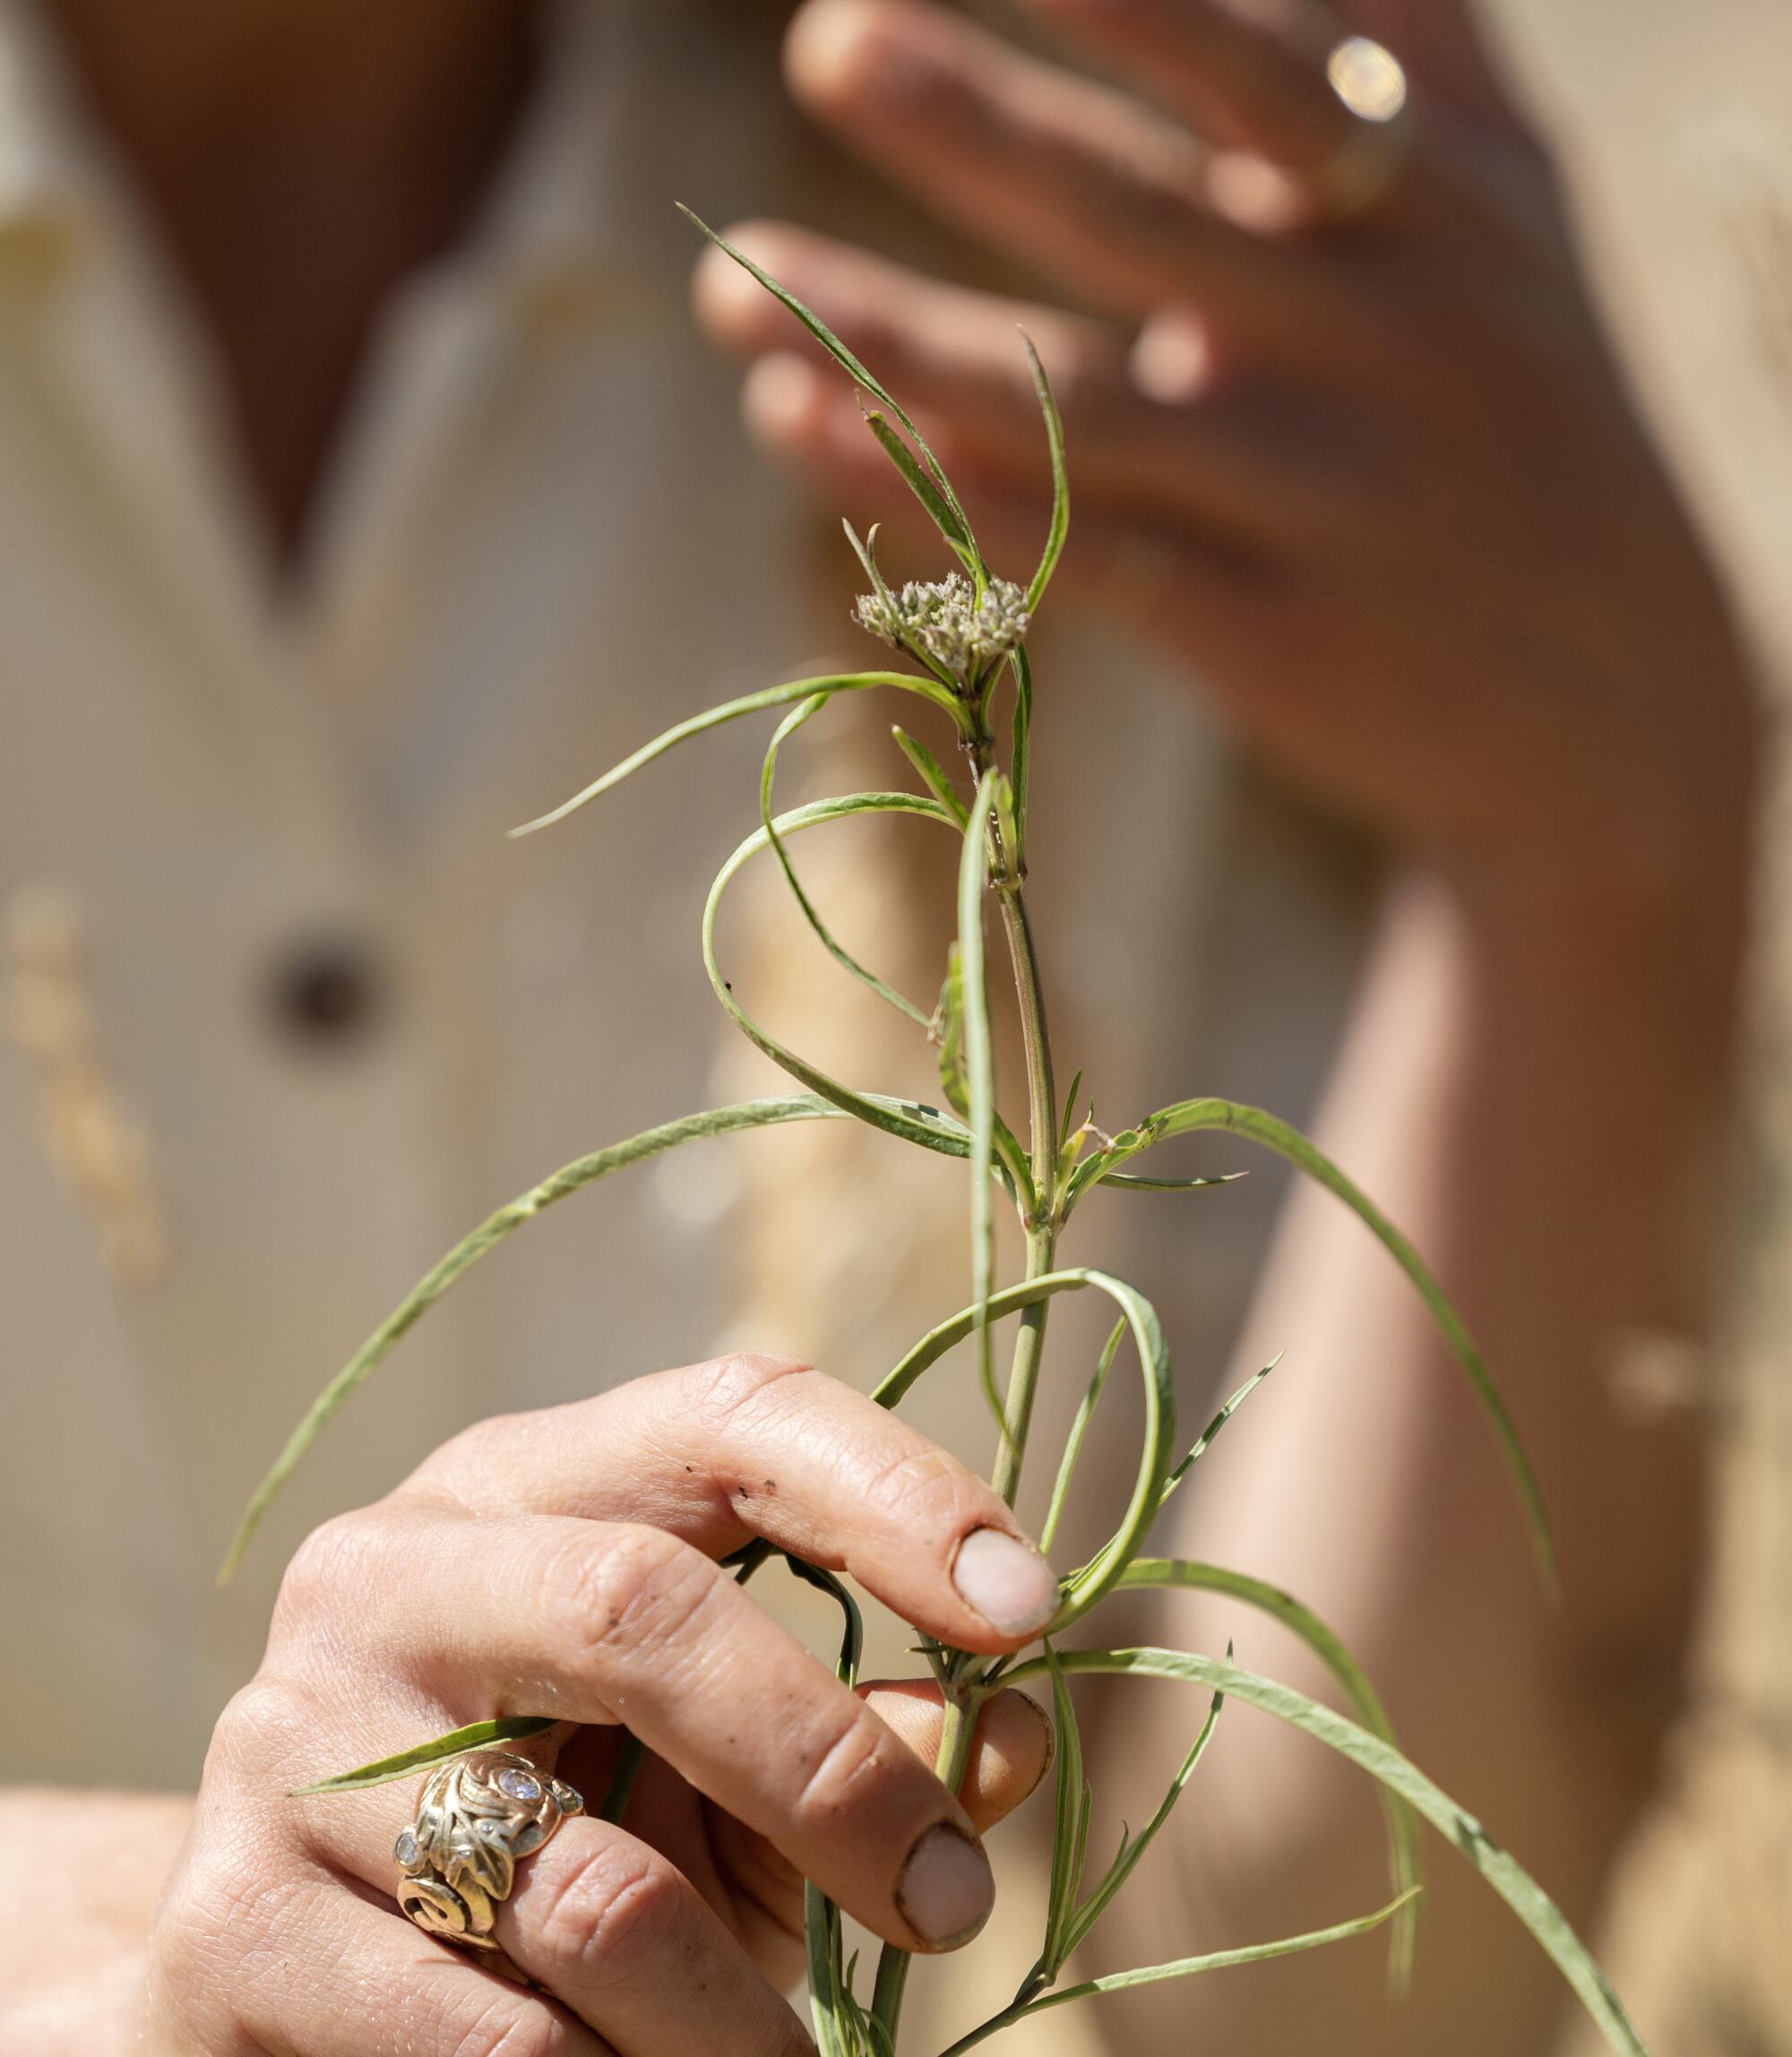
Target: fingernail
{"x": 781, "y": 391}
{"x": 946, "y": 1889}
{"x": 1171, "y": 361}
{"x": 1006, "y": 1581}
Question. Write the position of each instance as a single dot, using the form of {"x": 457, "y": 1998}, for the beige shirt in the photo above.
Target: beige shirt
{"x": 542, "y": 539}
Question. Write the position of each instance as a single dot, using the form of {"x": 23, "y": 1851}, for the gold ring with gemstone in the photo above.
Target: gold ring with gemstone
{"x": 1371, "y": 85}
{"x": 478, "y": 1817}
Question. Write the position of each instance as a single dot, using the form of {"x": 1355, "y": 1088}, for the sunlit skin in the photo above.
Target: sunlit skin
{"x": 1379, "y": 489}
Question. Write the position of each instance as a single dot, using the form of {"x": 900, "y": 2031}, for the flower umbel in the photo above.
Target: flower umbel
{"x": 946, "y": 625}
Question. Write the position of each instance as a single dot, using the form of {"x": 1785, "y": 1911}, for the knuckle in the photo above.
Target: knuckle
{"x": 182, "y": 1947}
{"x": 256, "y": 1734}
{"x": 617, "y": 1913}
{"x": 509, "y": 2026}
{"x": 727, "y": 1388}
{"x": 471, "y": 1452}
{"x": 844, "y": 1769}
{"x": 925, "y": 1490}
{"x": 227, "y": 1911}
{"x": 330, "y": 1563}
{"x": 628, "y": 1587}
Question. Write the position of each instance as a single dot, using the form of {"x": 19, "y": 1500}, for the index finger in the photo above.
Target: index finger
{"x": 1078, "y": 178}
{"x": 747, "y": 1446}
{"x": 1243, "y": 76}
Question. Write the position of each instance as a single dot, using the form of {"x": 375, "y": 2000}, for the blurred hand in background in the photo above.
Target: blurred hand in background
{"x": 1363, "y": 460}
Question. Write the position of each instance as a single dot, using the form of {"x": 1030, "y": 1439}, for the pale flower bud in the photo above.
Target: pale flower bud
{"x": 944, "y": 624}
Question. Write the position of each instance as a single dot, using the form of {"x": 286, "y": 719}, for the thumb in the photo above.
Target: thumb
{"x": 1010, "y": 1752}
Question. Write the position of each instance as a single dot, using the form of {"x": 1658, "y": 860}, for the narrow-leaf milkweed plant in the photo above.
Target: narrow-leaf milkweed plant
{"x": 959, "y": 640}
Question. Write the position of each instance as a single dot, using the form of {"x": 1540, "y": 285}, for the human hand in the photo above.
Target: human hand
{"x": 72, "y": 1976}
{"x": 1376, "y": 481}
{"x": 563, "y": 1563}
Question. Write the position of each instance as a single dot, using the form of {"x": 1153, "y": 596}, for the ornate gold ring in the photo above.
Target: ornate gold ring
{"x": 478, "y": 1817}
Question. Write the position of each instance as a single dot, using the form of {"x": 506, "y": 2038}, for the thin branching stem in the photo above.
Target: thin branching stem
{"x": 1042, "y": 1231}
{"x": 1043, "y": 1223}
{"x": 963, "y": 1702}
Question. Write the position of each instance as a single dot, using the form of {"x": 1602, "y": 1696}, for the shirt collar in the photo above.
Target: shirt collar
{"x": 541, "y": 229}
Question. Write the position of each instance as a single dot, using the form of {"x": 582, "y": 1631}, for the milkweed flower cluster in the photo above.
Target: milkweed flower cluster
{"x": 945, "y": 624}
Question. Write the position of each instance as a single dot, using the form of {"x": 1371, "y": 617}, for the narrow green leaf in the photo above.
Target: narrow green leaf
{"x": 893, "y": 1388}
{"x": 866, "y": 553}
{"x": 1071, "y": 1827}
{"x": 911, "y": 1121}
{"x": 1079, "y": 1849}
{"x": 1204, "y": 1442}
{"x": 1181, "y": 1968}
{"x": 1060, "y": 522}
{"x": 1405, "y": 1855}
{"x": 979, "y": 1072}
{"x": 1079, "y": 1428}
{"x": 934, "y": 776}
{"x": 1132, "y": 1849}
{"x": 476, "y": 1736}
{"x": 1102, "y": 1573}
{"x": 1020, "y": 756}
{"x": 571, "y": 1178}
{"x": 946, "y": 518}
{"x": 848, "y": 363}
{"x": 1527, "y": 1900}
{"x": 1188, "y": 1116}
{"x": 791, "y": 723}
{"x": 1070, "y": 1111}
{"x": 852, "y": 1628}
{"x": 1098, "y": 1577}
{"x": 1126, "y": 1180}
{"x": 1007, "y": 832}
{"x": 948, "y": 1028}
{"x": 839, "y": 2018}
{"x": 954, "y": 1083}
{"x": 794, "y": 689}
{"x": 827, "y": 1980}
{"x": 1220, "y": 1960}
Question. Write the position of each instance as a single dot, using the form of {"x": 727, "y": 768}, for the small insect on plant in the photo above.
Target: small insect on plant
{"x": 960, "y": 645}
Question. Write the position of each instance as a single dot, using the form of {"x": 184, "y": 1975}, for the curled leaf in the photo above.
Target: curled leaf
{"x": 1549, "y": 1925}
{"x": 1188, "y": 1116}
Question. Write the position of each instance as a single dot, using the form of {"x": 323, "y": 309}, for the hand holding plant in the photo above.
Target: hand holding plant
{"x": 960, "y": 645}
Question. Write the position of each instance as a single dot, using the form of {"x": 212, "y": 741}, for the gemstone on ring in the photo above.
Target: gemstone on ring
{"x": 1368, "y": 77}
{"x": 479, "y": 1814}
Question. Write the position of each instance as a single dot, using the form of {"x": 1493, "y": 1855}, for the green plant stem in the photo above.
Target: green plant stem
{"x": 1042, "y": 1238}
{"x": 1023, "y": 1377}
{"x": 1036, "y": 1041}
{"x": 951, "y": 1765}
{"x": 1042, "y": 1227}
{"x": 1042, "y": 1230}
